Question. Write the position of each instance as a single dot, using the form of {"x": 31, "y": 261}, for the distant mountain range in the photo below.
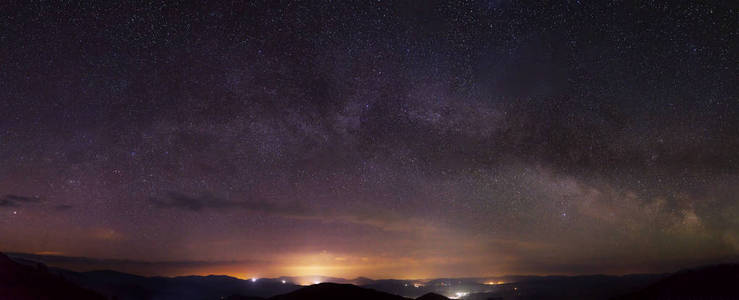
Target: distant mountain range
{"x": 712, "y": 282}
{"x": 22, "y": 279}
{"x": 23, "y": 282}
{"x": 336, "y": 291}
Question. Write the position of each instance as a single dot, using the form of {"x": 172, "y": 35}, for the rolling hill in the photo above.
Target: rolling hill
{"x": 23, "y": 282}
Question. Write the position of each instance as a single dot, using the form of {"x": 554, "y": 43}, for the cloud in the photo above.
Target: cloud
{"x": 14, "y": 201}
{"x": 205, "y": 201}
{"x": 384, "y": 221}
{"x": 54, "y": 258}
{"x": 11, "y": 200}
{"x": 63, "y": 207}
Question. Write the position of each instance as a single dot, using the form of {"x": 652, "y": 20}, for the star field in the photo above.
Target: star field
{"x": 377, "y": 138}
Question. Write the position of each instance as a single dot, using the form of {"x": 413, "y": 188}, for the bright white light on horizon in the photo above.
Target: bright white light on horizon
{"x": 316, "y": 282}
{"x": 460, "y": 295}
{"x": 254, "y": 279}
{"x": 283, "y": 281}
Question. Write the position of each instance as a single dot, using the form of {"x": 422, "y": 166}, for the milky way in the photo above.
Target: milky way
{"x": 384, "y": 139}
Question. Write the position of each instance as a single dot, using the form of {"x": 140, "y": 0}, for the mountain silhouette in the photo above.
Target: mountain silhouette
{"x": 329, "y": 291}
{"x": 582, "y": 287}
{"x": 335, "y": 291}
{"x": 26, "y": 279}
{"x": 713, "y": 282}
{"x": 432, "y": 296}
{"x": 133, "y": 287}
{"x": 239, "y": 297}
{"x": 21, "y": 282}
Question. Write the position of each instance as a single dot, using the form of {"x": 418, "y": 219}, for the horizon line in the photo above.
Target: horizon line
{"x": 58, "y": 260}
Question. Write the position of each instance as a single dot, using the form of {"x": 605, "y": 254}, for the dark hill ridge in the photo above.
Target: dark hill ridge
{"x": 21, "y": 282}
{"x": 335, "y": 291}
{"x": 713, "y": 282}
{"x": 584, "y": 287}
{"x": 31, "y": 280}
{"x": 124, "y": 286}
{"x": 133, "y": 287}
{"x": 432, "y": 296}
{"x": 239, "y": 297}
{"x": 330, "y": 291}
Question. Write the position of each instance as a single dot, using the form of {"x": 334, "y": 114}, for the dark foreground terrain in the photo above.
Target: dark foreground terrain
{"x": 23, "y": 279}
{"x": 713, "y": 282}
{"x": 21, "y": 282}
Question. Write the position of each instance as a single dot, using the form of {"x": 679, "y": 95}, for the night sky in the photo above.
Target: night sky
{"x": 376, "y": 138}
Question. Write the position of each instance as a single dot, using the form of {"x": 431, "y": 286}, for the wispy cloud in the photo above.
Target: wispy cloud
{"x": 384, "y": 221}
{"x": 63, "y": 207}
{"x": 204, "y": 202}
{"x": 11, "y": 200}
{"x": 54, "y": 258}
